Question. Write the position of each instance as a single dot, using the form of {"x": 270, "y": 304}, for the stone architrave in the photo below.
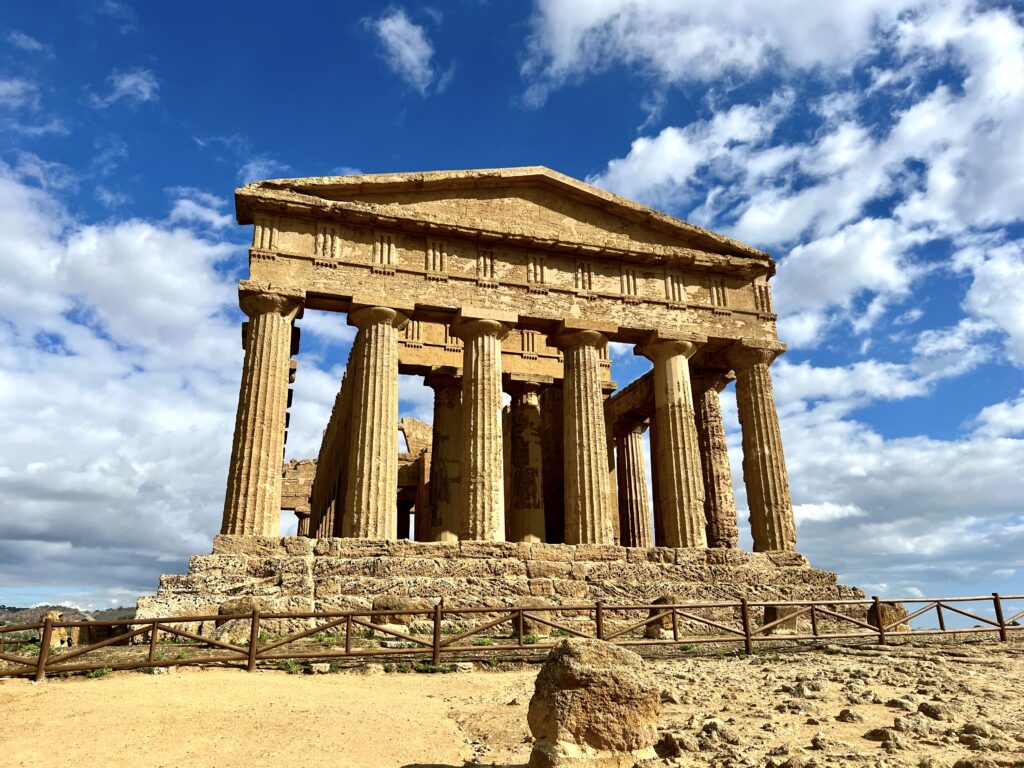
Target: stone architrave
{"x": 588, "y": 516}
{"x": 681, "y": 489}
{"x": 371, "y": 498}
{"x": 445, "y": 458}
{"x": 252, "y": 501}
{"x": 764, "y": 465}
{"x": 719, "y": 502}
{"x": 526, "y": 508}
{"x": 634, "y": 510}
{"x": 482, "y": 484}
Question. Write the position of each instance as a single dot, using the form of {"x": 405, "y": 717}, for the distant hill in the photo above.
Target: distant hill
{"x": 12, "y": 615}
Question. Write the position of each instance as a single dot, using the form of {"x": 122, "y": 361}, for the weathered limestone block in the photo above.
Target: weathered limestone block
{"x": 394, "y": 603}
{"x": 598, "y": 552}
{"x": 239, "y": 606}
{"x": 352, "y": 547}
{"x": 421, "y": 549}
{"x": 532, "y": 626}
{"x": 595, "y": 706}
{"x": 552, "y": 552}
{"x": 777, "y": 612}
{"x": 891, "y": 614}
{"x": 267, "y": 546}
{"x": 662, "y": 628}
{"x": 489, "y": 549}
{"x": 548, "y": 569}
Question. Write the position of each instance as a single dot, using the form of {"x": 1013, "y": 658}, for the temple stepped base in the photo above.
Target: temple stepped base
{"x": 301, "y": 574}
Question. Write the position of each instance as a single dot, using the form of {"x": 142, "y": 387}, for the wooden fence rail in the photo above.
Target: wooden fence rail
{"x": 599, "y": 622}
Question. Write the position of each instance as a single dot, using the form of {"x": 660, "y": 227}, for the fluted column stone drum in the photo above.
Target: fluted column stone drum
{"x": 634, "y": 510}
{"x": 719, "y": 502}
{"x": 445, "y": 455}
{"x": 681, "y": 486}
{"x": 252, "y": 501}
{"x": 588, "y": 510}
{"x": 764, "y": 465}
{"x": 526, "y": 510}
{"x": 482, "y": 483}
{"x": 371, "y": 496}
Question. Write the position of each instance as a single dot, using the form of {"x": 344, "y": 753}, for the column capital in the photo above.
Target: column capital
{"x": 623, "y": 427}
{"x": 571, "y": 334}
{"x": 660, "y": 345}
{"x": 713, "y": 378}
{"x": 257, "y": 298}
{"x": 749, "y": 352}
{"x": 471, "y": 322}
{"x": 444, "y": 377}
{"x": 363, "y": 316}
{"x": 523, "y": 383}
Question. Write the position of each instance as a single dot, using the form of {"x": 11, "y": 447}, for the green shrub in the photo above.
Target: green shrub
{"x": 101, "y": 672}
{"x": 291, "y": 666}
{"x": 483, "y": 641}
{"x": 530, "y": 639}
{"x": 429, "y": 668}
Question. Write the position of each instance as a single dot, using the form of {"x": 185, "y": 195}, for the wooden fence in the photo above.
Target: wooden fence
{"x": 827, "y": 619}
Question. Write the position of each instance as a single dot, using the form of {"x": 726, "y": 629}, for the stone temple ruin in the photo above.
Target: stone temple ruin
{"x": 487, "y": 282}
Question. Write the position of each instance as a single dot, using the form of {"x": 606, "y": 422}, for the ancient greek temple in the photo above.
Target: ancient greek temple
{"x": 488, "y": 283}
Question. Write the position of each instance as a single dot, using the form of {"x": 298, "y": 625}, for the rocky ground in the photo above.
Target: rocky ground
{"x": 921, "y": 706}
{"x": 956, "y": 704}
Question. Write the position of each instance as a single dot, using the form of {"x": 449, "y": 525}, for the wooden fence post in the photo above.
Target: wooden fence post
{"x": 348, "y": 634}
{"x": 153, "y": 632}
{"x": 599, "y": 619}
{"x": 814, "y": 621}
{"x": 675, "y": 626}
{"x": 44, "y": 649}
{"x": 999, "y": 616}
{"x": 748, "y": 639}
{"x": 437, "y": 634}
{"x": 942, "y": 619}
{"x": 519, "y": 631}
{"x": 254, "y": 639}
{"x": 878, "y": 618}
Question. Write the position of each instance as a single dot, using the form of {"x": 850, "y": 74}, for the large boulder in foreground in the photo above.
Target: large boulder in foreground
{"x": 594, "y": 706}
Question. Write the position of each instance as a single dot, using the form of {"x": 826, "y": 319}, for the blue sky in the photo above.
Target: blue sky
{"x": 874, "y": 149}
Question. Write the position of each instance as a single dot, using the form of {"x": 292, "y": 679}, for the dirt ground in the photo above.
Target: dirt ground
{"x": 925, "y": 706}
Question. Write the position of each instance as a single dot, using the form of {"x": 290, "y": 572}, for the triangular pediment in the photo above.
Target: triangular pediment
{"x": 532, "y": 202}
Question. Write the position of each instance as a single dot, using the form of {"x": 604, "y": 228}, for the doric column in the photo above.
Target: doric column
{"x": 482, "y": 487}
{"x": 252, "y": 502}
{"x": 444, "y": 460}
{"x": 371, "y": 496}
{"x": 764, "y": 465}
{"x": 719, "y": 503}
{"x": 526, "y": 509}
{"x": 681, "y": 487}
{"x": 659, "y": 520}
{"x": 588, "y": 517}
{"x": 302, "y": 527}
{"x": 634, "y": 510}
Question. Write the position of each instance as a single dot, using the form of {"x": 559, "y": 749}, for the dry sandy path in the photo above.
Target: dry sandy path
{"x": 228, "y": 718}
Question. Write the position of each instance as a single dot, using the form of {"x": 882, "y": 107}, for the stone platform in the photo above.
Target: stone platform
{"x": 302, "y": 574}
